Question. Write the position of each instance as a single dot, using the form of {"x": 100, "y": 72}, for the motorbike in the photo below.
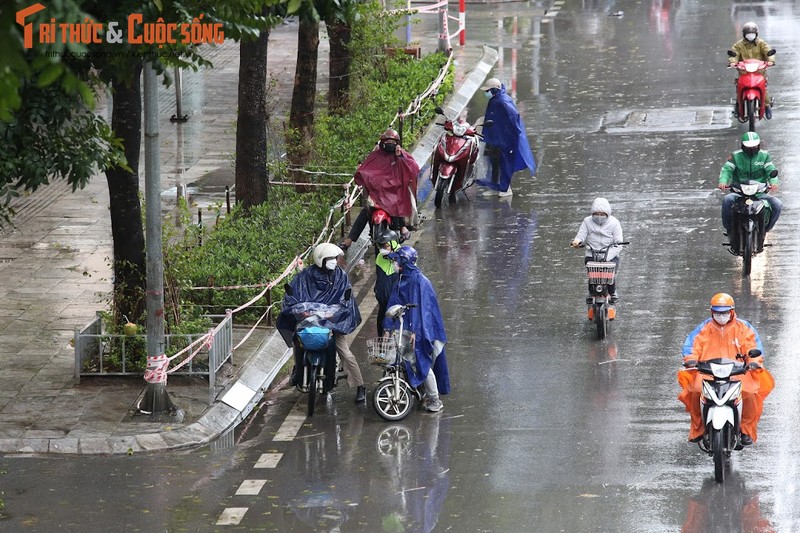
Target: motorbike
{"x": 601, "y": 273}
{"x": 319, "y": 372}
{"x": 455, "y": 157}
{"x": 751, "y": 85}
{"x": 394, "y": 397}
{"x": 749, "y": 216}
{"x": 721, "y": 405}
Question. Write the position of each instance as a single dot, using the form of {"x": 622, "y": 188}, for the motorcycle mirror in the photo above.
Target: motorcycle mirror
{"x": 731, "y": 53}
{"x": 755, "y": 352}
{"x": 774, "y": 173}
{"x": 439, "y": 110}
{"x": 288, "y": 289}
{"x": 772, "y": 52}
{"x": 348, "y": 294}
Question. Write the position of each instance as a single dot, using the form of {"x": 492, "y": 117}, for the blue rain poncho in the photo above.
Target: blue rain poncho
{"x": 426, "y": 322}
{"x": 312, "y": 287}
{"x": 507, "y": 133}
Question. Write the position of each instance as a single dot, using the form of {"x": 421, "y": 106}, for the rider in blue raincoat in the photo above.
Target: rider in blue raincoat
{"x": 506, "y": 142}
{"x": 426, "y": 323}
{"x": 320, "y": 290}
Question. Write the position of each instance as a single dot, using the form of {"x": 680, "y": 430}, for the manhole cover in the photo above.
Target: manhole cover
{"x": 667, "y": 119}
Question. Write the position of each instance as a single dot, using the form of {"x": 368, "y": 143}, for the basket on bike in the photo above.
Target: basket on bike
{"x": 381, "y": 350}
{"x": 601, "y": 272}
{"x": 314, "y": 338}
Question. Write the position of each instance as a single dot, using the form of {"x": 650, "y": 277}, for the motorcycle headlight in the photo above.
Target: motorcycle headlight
{"x": 721, "y": 371}
{"x": 751, "y": 67}
{"x": 749, "y": 189}
{"x": 460, "y": 128}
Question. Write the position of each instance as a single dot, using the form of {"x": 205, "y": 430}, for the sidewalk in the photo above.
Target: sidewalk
{"x": 56, "y": 274}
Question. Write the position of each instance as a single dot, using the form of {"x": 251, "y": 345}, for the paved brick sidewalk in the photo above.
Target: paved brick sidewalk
{"x": 56, "y": 274}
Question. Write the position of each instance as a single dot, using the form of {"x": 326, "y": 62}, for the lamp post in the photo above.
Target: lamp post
{"x": 156, "y": 399}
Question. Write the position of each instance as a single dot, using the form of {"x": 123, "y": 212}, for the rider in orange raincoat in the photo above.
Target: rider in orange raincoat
{"x": 724, "y": 335}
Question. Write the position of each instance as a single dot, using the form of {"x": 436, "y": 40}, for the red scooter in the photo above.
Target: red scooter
{"x": 453, "y": 164}
{"x": 751, "y": 85}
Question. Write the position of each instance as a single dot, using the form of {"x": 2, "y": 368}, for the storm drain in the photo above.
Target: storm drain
{"x": 666, "y": 120}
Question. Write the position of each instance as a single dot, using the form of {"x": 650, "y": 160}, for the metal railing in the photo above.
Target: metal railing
{"x": 110, "y": 354}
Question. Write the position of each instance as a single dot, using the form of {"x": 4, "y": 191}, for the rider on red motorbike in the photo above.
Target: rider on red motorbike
{"x": 751, "y": 47}
{"x": 389, "y": 178}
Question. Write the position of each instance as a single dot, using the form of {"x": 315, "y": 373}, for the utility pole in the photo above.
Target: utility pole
{"x": 156, "y": 400}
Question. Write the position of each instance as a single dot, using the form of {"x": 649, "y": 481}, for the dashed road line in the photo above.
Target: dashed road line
{"x": 290, "y": 427}
{"x": 250, "y": 487}
{"x": 268, "y": 460}
{"x": 231, "y": 516}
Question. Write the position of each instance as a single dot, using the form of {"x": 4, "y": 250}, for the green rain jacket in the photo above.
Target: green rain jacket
{"x": 746, "y": 50}
{"x": 741, "y": 167}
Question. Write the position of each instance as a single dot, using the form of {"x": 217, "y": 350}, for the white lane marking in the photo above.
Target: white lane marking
{"x": 290, "y": 427}
{"x": 268, "y": 460}
{"x": 231, "y": 516}
{"x": 250, "y": 487}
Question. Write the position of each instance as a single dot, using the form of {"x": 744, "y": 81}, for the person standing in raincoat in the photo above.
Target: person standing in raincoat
{"x": 506, "y": 142}
{"x": 385, "y": 276}
{"x": 426, "y": 323}
{"x": 724, "y": 335}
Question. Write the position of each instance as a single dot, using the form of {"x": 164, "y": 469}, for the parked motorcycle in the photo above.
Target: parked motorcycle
{"x": 749, "y": 215}
{"x": 394, "y": 397}
{"x": 454, "y": 160}
{"x": 721, "y": 405}
{"x": 318, "y": 374}
{"x": 751, "y": 85}
{"x": 601, "y": 273}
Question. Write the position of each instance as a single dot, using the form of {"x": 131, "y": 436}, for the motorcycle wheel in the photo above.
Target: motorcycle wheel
{"x": 601, "y": 320}
{"x": 387, "y": 407}
{"x": 441, "y": 184}
{"x": 751, "y": 114}
{"x": 312, "y": 389}
{"x": 747, "y": 254}
{"x": 718, "y": 451}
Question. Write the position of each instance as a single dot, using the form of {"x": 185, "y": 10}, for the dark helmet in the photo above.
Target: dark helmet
{"x": 390, "y": 134}
{"x": 389, "y": 141}
{"x": 749, "y": 27}
{"x": 404, "y": 255}
{"x": 385, "y": 236}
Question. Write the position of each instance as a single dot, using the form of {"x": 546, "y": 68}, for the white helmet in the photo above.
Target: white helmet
{"x": 324, "y": 251}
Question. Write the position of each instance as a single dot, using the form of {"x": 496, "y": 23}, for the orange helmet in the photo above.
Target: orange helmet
{"x": 722, "y": 302}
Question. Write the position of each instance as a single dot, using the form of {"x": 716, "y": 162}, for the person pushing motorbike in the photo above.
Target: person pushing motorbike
{"x": 389, "y": 178}
{"x": 326, "y": 283}
{"x": 751, "y": 47}
{"x": 507, "y": 144}
{"x": 748, "y": 163}
{"x": 426, "y": 323}
{"x": 724, "y": 335}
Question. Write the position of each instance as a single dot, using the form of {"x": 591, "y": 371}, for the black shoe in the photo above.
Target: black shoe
{"x": 696, "y": 439}
{"x": 746, "y": 440}
{"x": 612, "y": 299}
{"x": 361, "y": 394}
{"x": 768, "y": 112}
{"x": 589, "y": 300}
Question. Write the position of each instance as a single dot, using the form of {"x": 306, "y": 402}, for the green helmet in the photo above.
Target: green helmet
{"x": 751, "y": 139}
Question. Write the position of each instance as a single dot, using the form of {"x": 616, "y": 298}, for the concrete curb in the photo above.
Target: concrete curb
{"x": 247, "y": 389}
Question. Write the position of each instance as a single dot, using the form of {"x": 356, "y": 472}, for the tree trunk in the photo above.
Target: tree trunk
{"x": 301, "y": 117}
{"x": 125, "y": 208}
{"x": 251, "y": 123}
{"x": 340, "y": 35}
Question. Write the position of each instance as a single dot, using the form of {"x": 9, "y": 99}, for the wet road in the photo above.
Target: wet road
{"x": 547, "y": 429}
